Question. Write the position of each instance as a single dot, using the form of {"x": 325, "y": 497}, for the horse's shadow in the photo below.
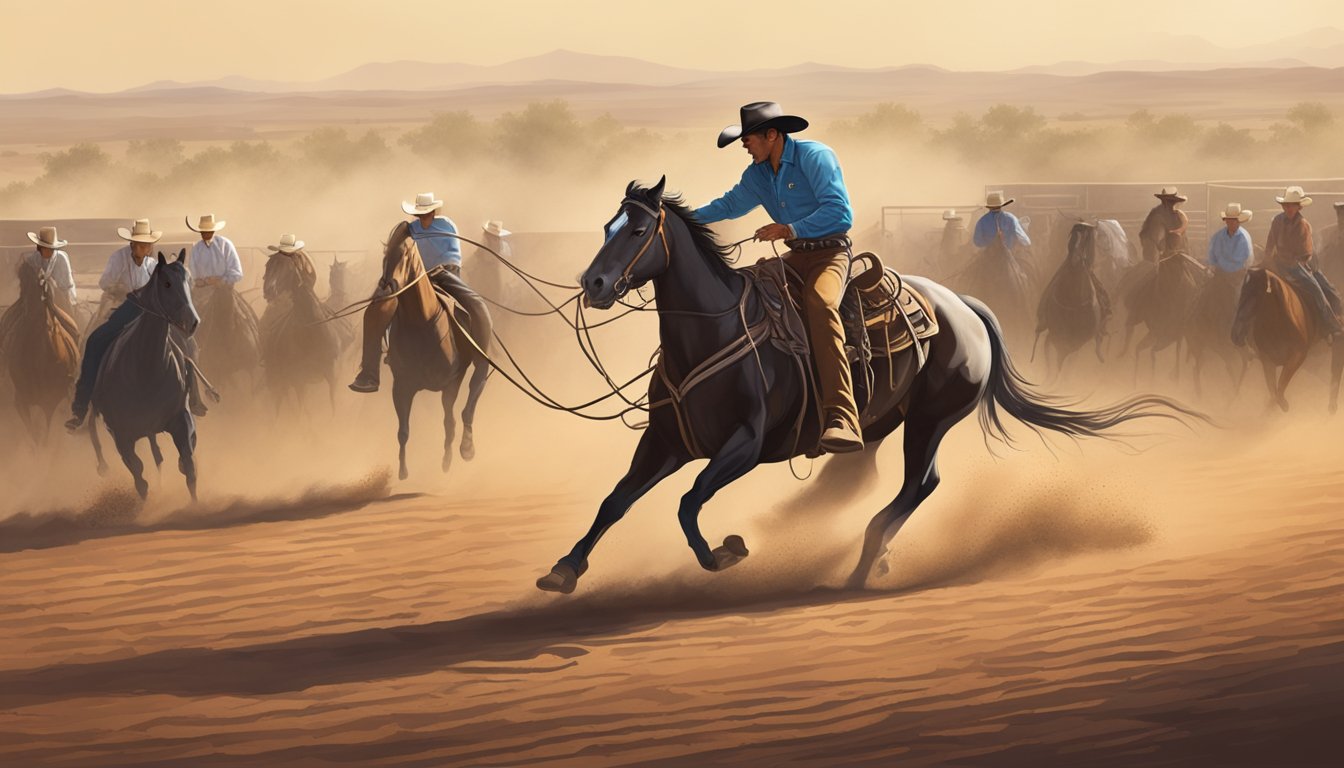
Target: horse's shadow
{"x": 513, "y": 639}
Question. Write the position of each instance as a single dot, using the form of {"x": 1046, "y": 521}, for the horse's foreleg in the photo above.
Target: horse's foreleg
{"x": 449, "y": 397}
{"x": 1336, "y": 372}
{"x": 1286, "y": 375}
{"x": 155, "y": 452}
{"x": 126, "y": 448}
{"x": 402, "y": 397}
{"x": 183, "y": 431}
{"x": 740, "y": 454}
{"x": 651, "y": 463}
{"x": 97, "y": 445}
{"x": 480, "y": 373}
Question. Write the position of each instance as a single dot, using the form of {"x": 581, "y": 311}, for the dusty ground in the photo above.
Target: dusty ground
{"x": 1181, "y": 606}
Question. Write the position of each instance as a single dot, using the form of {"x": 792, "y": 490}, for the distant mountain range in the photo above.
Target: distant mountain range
{"x": 1322, "y": 48}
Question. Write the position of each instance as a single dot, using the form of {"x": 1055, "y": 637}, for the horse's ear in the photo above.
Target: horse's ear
{"x": 630, "y": 188}
{"x": 656, "y": 192}
{"x": 182, "y": 256}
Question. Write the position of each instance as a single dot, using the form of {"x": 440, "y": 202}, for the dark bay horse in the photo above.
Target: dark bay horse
{"x": 1210, "y": 329}
{"x": 1074, "y": 307}
{"x": 744, "y": 414}
{"x": 298, "y": 349}
{"x": 1163, "y": 301}
{"x": 1273, "y": 318}
{"x": 228, "y": 340}
{"x": 40, "y": 344}
{"x": 427, "y": 349}
{"x": 142, "y": 383}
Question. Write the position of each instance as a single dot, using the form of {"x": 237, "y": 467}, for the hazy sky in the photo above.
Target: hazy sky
{"x": 104, "y": 45}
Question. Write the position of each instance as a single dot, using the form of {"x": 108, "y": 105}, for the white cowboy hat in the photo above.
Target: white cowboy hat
{"x": 287, "y": 245}
{"x": 139, "y": 232}
{"x": 1172, "y": 193}
{"x": 496, "y": 228}
{"x": 995, "y": 199}
{"x": 207, "y": 224}
{"x": 424, "y": 203}
{"x": 1294, "y": 195}
{"x": 1234, "y": 211}
{"x": 951, "y": 215}
{"x": 46, "y": 237}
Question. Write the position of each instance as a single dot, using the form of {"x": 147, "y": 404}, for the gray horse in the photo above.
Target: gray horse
{"x": 143, "y": 381}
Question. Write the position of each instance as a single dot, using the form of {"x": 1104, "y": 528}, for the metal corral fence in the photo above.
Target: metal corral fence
{"x": 1130, "y": 202}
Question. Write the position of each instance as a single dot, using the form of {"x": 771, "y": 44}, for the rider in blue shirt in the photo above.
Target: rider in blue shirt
{"x": 800, "y": 185}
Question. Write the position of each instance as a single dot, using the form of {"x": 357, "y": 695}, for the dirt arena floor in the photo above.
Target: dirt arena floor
{"x": 1074, "y": 604}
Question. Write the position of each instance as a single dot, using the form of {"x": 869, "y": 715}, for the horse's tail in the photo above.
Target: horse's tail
{"x": 1006, "y": 388}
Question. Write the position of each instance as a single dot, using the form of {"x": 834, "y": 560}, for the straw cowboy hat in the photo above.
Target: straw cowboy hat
{"x": 1234, "y": 211}
{"x": 139, "y": 232}
{"x": 757, "y": 116}
{"x": 1294, "y": 195}
{"x": 287, "y": 245}
{"x": 995, "y": 199}
{"x": 496, "y": 228}
{"x": 424, "y": 203}
{"x": 951, "y": 215}
{"x": 1170, "y": 193}
{"x": 46, "y": 237}
{"x": 206, "y": 224}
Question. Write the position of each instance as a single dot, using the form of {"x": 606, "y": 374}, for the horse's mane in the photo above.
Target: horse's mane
{"x": 703, "y": 237}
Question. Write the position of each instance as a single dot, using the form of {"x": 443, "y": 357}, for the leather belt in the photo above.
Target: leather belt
{"x": 832, "y": 243}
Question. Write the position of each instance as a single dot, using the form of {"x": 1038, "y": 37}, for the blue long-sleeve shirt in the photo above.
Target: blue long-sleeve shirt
{"x": 436, "y": 247}
{"x": 808, "y": 193}
{"x": 1230, "y": 253}
{"x": 993, "y": 222}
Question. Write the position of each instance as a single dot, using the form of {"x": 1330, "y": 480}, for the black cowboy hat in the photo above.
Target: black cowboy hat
{"x": 757, "y": 116}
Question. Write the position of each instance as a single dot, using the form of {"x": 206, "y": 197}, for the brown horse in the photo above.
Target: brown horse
{"x": 1272, "y": 316}
{"x": 428, "y": 349}
{"x": 1162, "y": 300}
{"x": 229, "y": 341}
{"x": 40, "y": 345}
{"x": 298, "y": 349}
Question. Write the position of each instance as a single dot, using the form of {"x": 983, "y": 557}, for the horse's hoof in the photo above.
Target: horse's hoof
{"x": 447, "y": 462}
{"x": 562, "y": 579}
{"x": 733, "y": 551}
{"x": 102, "y": 470}
{"x": 1283, "y": 405}
{"x": 468, "y": 450}
{"x": 883, "y": 568}
{"x": 403, "y": 474}
{"x": 142, "y": 488}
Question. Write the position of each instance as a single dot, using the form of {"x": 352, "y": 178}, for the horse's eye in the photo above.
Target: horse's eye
{"x": 640, "y": 232}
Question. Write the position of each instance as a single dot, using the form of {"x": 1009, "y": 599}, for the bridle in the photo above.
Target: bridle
{"x": 622, "y": 285}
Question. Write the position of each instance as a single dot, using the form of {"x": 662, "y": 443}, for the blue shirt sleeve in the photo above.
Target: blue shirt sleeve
{"x": 833, "y": 214}
{"x": 735, "y": 203}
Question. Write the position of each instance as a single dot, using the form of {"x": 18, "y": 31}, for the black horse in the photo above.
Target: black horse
{"x": 142, "y": 384}
{"x": 744, "y": 414}
{"x": 1075, "y": 307}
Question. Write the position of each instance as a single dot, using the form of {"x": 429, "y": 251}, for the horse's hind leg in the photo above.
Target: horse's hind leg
{"x": 479, "y": 375}
{"x": 1286, "y": 375}
{"x": 924, "y": 431}
{"x": 126, "y": 447}
{"x": 651, "y": 463}
{"x": 402, "y": 397}
{"x": 450, "y": 390}
{"x": 183, "y": 431}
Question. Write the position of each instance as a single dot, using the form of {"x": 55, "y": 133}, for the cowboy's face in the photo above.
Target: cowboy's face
{"x": 140, "y": 250}
{"x": 1233, "y": 224}
{"x": 760, "y": 143}
{"x": 426, "y": 219}
{"x": 1292, "y": 209}
{"x": 45, "y": 251}
{"x": 207, "y": 236}
{"x": 1170, "y": 202}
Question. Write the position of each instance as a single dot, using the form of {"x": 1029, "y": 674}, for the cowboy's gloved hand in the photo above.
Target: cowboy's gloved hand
{"x": 387, "y": 285}
{"x": 774, "y": 232}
